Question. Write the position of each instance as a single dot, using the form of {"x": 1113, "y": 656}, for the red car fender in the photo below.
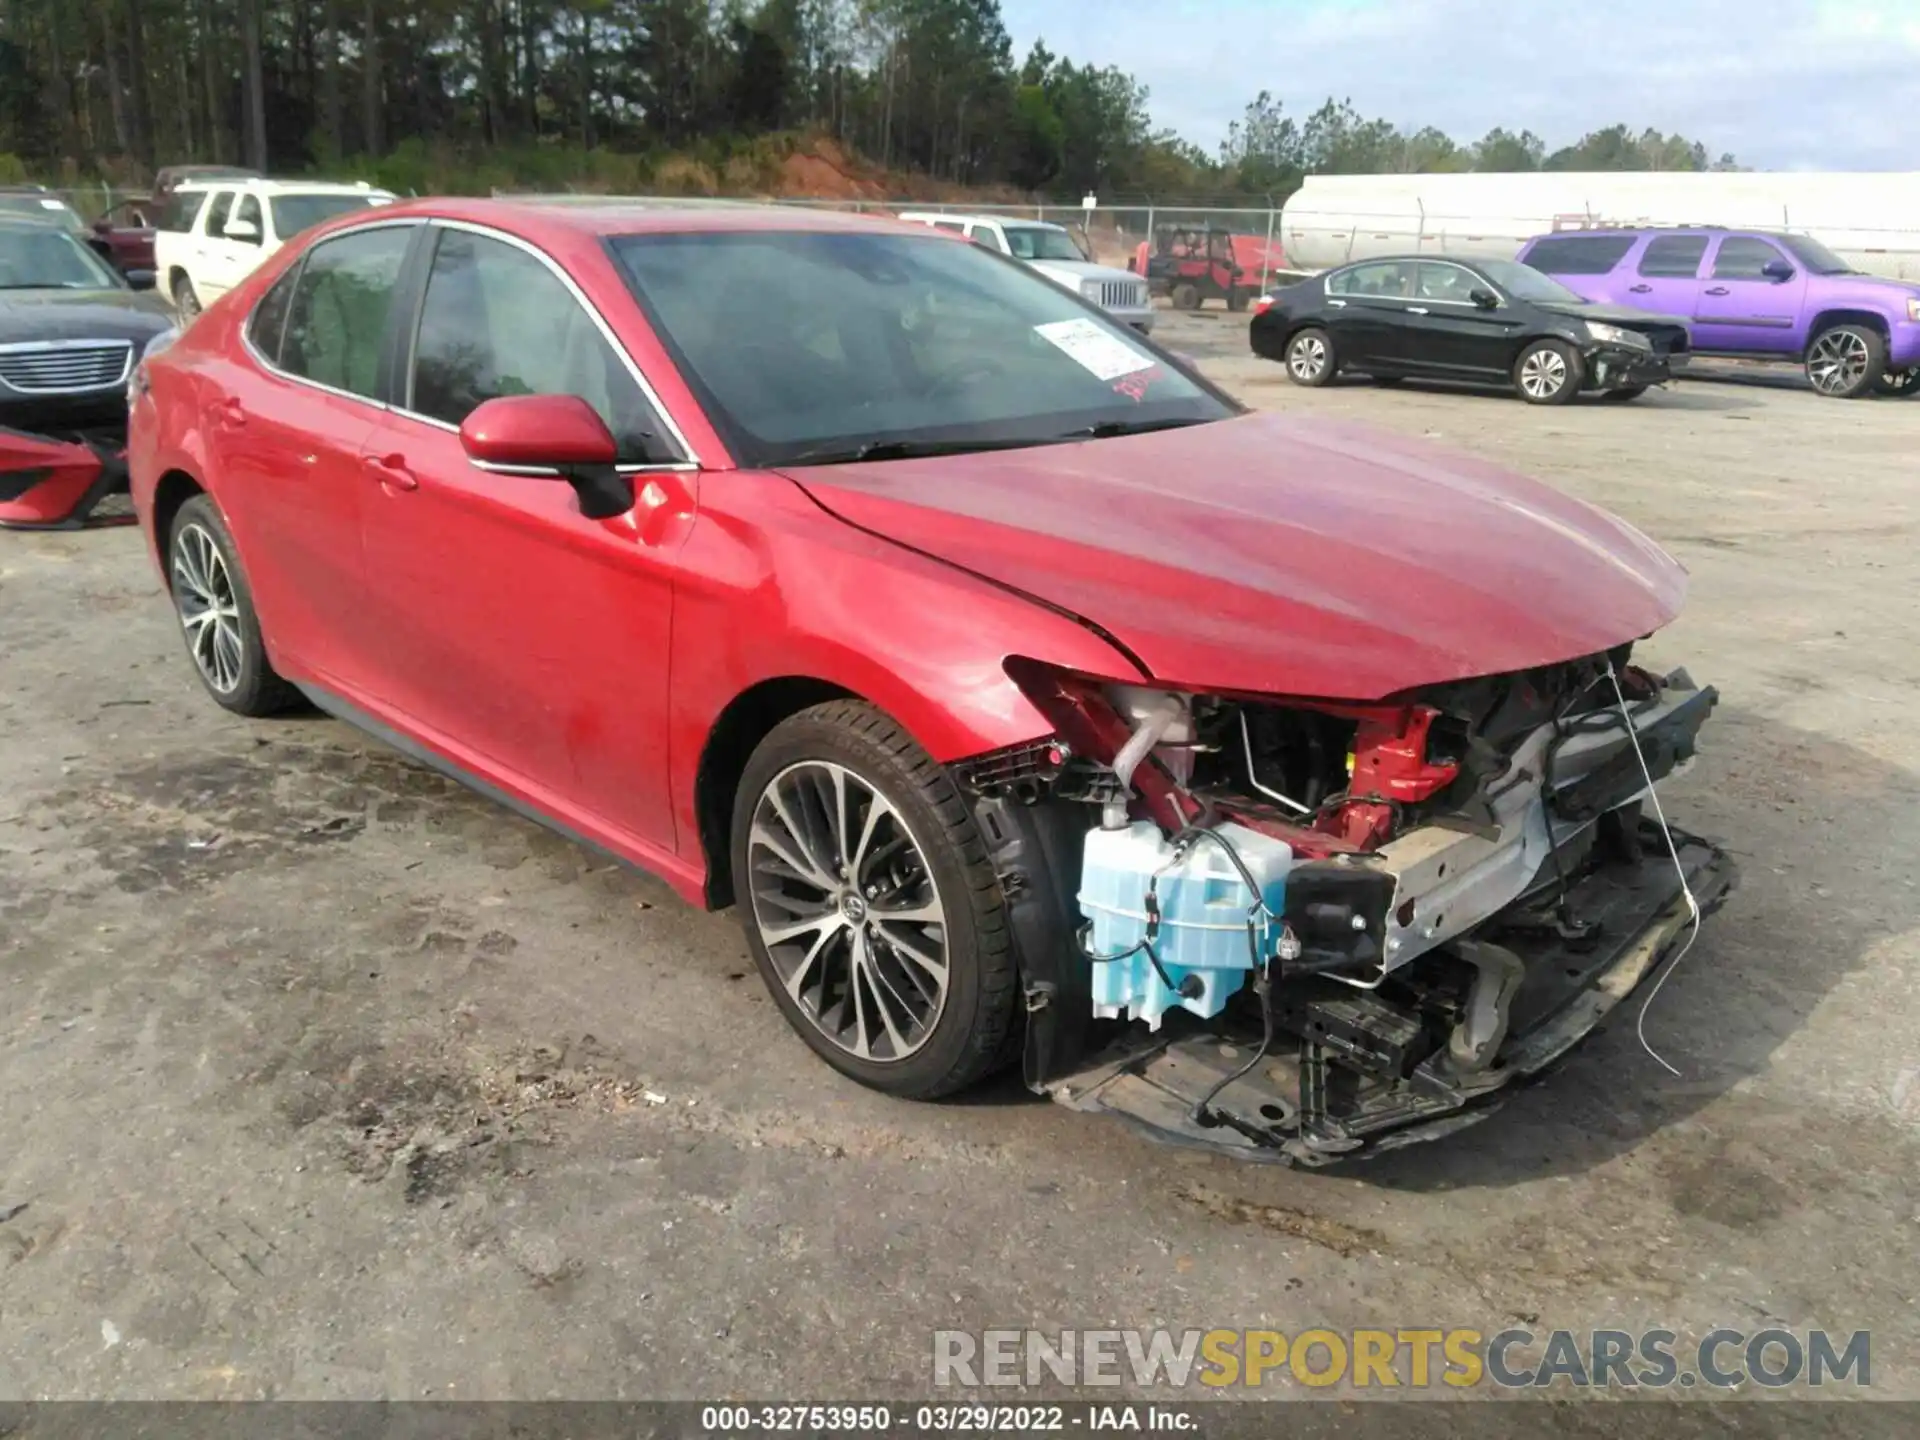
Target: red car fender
{"x": 742, "y": 620}
{"x": 49, "y": 483}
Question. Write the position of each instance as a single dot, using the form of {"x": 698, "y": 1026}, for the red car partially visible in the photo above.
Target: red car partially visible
{"x": 1032, "y": 701}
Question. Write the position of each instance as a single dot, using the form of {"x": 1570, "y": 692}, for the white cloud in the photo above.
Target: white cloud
{"x": 1783, "y": 84}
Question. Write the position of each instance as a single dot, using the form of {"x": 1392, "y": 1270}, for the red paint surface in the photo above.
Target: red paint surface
{"x": 72, "y": 470}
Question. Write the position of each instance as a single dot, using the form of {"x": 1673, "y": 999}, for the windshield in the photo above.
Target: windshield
{"x": 41, "y": 207}
{"x": 1523, "y": 282}
{"x": 294, "y": 213}
{"x": 1815, "y": 256}
{"x": 1041, "y": 242}
{"x": 805, "y": 346}
{"x": 43, "y": 258}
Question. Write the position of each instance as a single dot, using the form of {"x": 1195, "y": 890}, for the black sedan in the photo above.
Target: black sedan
{"x": 1482, "y": 321}
{"x": 71, "y": 331}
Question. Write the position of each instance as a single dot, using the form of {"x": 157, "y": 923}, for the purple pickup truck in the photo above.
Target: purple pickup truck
{"x": 1754, "y": 295}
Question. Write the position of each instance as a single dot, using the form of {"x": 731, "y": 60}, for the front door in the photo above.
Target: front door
{"x": 1449, "y": 336}
{"x": 525, "y": 642}
{"x": 217, "y": 258}
{"x": 1742, "y": 308}
{"x": 285, "y": 428}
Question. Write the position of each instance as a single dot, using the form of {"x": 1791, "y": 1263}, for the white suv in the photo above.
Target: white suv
{"x": 1050, "y": 249}
{"x": 214, "y": 232}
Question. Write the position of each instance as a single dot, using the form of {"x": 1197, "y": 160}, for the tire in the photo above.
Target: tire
{"x": 1898, "y": 383}
{"x": 1310, "y": 358}
{"x": 1845, "y": 362}
{"x": 1548, "y": 372}
{"x": 1624, "y": 394}
{"x": 184, "y": 300}
{"x": 1238, "y": 299}
{"x": 915, "y": 1043}
{"x": 1186, "y": 297}
{"x": 204, "y": 578}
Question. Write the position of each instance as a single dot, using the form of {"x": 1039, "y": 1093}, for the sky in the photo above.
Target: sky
{"x": 1782, "y": 84}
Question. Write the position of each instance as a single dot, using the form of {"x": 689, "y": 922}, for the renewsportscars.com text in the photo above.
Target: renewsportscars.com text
{"x": 1411, "y": 1358}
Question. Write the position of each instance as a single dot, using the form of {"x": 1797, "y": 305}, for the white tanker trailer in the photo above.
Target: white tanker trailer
{"x": 1871, "y": 220}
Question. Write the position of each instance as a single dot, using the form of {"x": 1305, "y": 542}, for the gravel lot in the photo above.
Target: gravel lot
{"x": 323, "y": 1079}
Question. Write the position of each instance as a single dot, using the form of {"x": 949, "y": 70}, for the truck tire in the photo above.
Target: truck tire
{"x": 184, "y": 300}
{"x": 1898, "y": 382}
{"x": 1846, "y": 361}
{"x": 870, "y": 906}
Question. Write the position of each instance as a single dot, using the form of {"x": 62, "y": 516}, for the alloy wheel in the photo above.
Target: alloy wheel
{"x": 1543, "y": 373}
{"x": 209, "y": 613}
{"x": 1308, "y": 358}
{"x": 1900, "y": 382}
{"x": 846, "y": 905}
{"x": 1838, "y": 362}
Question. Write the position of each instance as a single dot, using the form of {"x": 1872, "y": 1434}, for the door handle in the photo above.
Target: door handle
{"x": 1336, "y": 304}
{"x": 1416, "y": 309}
{"x": 1639, "y": 289}
{"x": 392, "y": 472}
{"x": 1719, "y": 290}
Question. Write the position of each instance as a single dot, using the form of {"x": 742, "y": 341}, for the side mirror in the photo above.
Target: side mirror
{"x": 1777, "y": 270}
{"x": 141, "y": 279}
{"x": 1484, "y": 298}
{"x": 557, "y": 435}
{"x": 243, "y": 230}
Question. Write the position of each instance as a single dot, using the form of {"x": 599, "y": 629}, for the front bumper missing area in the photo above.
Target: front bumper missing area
{"x": 62, "y": 482}
{"x": 1301, "y": 1105}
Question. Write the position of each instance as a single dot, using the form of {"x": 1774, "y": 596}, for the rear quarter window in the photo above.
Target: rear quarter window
{"x": 1579, "y": 254}
{"x": 181, "y": 209}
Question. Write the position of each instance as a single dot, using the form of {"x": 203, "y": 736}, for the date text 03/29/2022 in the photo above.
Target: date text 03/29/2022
{"x": 937, "y": 1419}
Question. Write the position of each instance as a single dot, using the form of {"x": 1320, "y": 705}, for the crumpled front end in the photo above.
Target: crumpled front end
{"x": 1298, "y": 930}
{"x": 63, "y": 481}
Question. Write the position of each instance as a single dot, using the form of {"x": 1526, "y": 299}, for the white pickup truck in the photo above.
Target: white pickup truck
{"x": 1051, "y": 250}
{"x": 213, "y": 233}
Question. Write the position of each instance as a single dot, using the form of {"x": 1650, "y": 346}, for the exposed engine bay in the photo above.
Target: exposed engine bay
{"x": 1300, "y": 929}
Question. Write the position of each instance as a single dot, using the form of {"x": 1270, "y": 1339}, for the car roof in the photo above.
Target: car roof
{"x": 277, "y": 187}
{"x": 1636, "y": 231}
{"x": 961, "y": 219}
{"x": 599, "y": 216}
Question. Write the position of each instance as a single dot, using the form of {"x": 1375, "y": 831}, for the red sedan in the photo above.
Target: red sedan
{"x": 1031, "y": 700}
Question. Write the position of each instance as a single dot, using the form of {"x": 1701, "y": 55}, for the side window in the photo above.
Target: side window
{"x": 249, "y": 210}
{"x": 954, "y": 225}
{"x": 269, "y": 318}
{"x": 1742, "y": 257}
{"x": 338, "y": 316}
{"x": 1446, "y": 283}
{"x": 1673, "y": 257}
{"x": 217, "y": 214}
{"x": 182, "y": 209}
{"x": 1386, "y": 279}
{"x": 984, "y": 235}
{"x": 1579, "y": 254}
{"x": 496, "y": 321}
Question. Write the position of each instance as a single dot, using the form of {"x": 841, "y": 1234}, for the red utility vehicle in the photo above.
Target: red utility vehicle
{"x": 893, "y": 594}
{"x": 1192, "y": 264}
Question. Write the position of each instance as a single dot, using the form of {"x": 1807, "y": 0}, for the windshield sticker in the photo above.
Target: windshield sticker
{"x": 1134, "y": 386}
{"x": 1104, "y": 355}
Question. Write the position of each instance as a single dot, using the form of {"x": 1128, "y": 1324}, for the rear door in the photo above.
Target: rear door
{"x": 1585, "y": 264}
{"x": 1741, "y": 308}
{"x": 1367, "y": 312}
{"x": 285, "y": 428}
{"x": 215, "y": 256}
{"x": 1666, "y": 275}
{"x": 521, "y": 639}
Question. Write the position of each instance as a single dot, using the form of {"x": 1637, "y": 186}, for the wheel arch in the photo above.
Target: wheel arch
{"x": 174, "y": 489}
{"x": 746, "y": 720}
{"x": 1845, "y": 315}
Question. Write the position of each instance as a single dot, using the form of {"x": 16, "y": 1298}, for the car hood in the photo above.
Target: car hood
{"x": 1071, "y": 272}
{"x": 1279, "y": 556}
{"x": 1874, "y": 285}
{"x": 27, "y": 315}
{"x": 1616, "y": 315}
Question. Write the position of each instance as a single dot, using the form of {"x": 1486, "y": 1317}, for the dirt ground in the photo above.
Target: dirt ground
{"x": 321, "y": 1078}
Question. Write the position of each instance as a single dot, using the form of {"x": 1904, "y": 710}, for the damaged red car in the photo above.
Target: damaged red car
{"x": 1279, "y": 787}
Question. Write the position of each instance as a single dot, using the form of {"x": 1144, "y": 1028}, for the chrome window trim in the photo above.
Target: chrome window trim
{"x": 692, "y": 459}
{"x": 246, "y": 327}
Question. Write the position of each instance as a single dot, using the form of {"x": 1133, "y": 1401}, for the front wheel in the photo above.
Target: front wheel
{"x": 1310, "y": 358}
{"x": 1548, "y": 372}
{"x": 1898, "y": 382}
{"x": 1846, "y": 361}
{"x": 1186, "y": 297}
{"x": 870, "y": 906}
